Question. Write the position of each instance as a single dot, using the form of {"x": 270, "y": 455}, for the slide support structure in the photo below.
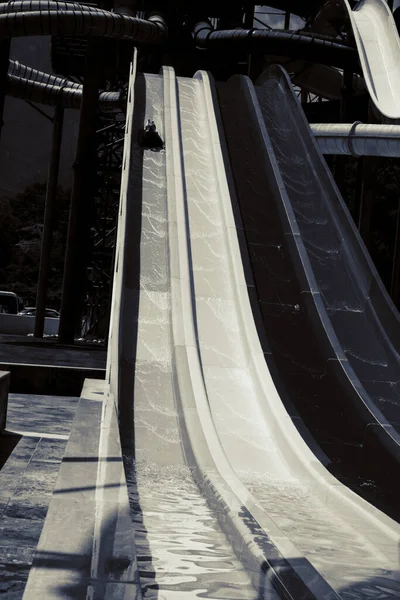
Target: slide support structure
{"x": 48, "y": 225}
{"x": 5, "y": 46}
{"x": 395, "y": 279}
{"x": 76, "y": 257}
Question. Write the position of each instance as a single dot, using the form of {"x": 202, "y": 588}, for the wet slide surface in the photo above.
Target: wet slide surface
{"x": 353, "y": 296}
{"x": 333, "y": 543}
{"x": 289, "y": 223}
{"x": 182, "y": 552}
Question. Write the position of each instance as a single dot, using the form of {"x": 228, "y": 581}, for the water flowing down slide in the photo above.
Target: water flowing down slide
{"x": 378, "y": 45}
{"x": 210, "y": 449}
{"x": 332, "y": 328}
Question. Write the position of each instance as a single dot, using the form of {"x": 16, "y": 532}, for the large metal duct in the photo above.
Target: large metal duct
{"x": 313, "y": 48}
{"x": 358, "y": 139}
{"x": 74, "y": 19}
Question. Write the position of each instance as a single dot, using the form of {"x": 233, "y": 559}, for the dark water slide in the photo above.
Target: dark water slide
{"x": 332, "y": 330}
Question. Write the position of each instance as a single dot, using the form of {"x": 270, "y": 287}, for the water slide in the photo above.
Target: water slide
{"x": 211, "y": 452}
{"x": 314, "y": 278}
{"x": 378, "y": 46}
{"x": 317, "y": 79}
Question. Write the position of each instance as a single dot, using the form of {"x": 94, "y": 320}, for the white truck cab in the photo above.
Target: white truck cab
{"x": 10, "y": 303}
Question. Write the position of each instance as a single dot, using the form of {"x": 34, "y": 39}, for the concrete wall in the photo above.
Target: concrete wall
{"x": 24, "y": 324}
{"x": 49, "y": 379}
{"x": 4, "y": 387}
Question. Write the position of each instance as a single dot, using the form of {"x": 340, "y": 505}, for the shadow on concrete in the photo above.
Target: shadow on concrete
{"x": 8, "y": 442}
{"x": 99, "y": 570}
{"x": 128, "y": 331}
{"x": 86, "y": 459}
{"x": 128, "y": 323}
{"x": 74, "y": 490}
{"x": 77, "y": 574}
{"x": 147, "y": 572}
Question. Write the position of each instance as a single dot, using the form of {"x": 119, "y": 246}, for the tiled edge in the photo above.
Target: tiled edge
{"x": 87, "y": 543}
{"x": 4, "y": 387}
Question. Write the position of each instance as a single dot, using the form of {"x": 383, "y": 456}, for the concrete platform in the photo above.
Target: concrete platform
{"x": 20, "y": 349}
{"x": 31, "y": 450}
{"x": 87, "y": 547}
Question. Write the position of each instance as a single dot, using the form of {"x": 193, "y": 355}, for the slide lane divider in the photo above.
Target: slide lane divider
{"x": 273, "y": 561}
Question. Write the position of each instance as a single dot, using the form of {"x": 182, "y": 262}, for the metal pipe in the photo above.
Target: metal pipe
{"x": 357, "y": 139}
{"x": 310, "y": 47}
{"x": 50, "y": 94}
{"x": 44, "y": 5}
{"x": 81, "y": 22}
{"x": 37, "y": 86}
{"x": 17, "y": 69}
{"x": 48, "y": 224}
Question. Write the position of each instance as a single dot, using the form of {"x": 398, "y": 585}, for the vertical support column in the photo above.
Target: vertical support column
{"x": 368, "y": 174}
{"x": 370, "y": 165}
{"x": 345, "y": 117}
{"x": 395, "y": 279}
{"x": 287, "y": 20}
{"x": 5, "y": 46}
{"x": 77, "y": 251}
{"x": 51, "y": 195}
{"x": 347, "y": 92}
{"x": 248, "y": 24}
{"x": 249, "y": 16}
{"x": 358, "y": 190}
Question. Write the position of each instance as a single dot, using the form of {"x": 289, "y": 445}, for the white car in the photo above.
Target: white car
{"x": 30, "y": 311}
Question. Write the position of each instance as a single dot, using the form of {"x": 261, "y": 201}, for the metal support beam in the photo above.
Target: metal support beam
{"x": 345, "y": 104}
{"x": 249, "y": 23}
{"x": 287, "y": 20}
{"x": 249, "y": 16}
{"x": 48, "y": 225}
{"x": 5, "y": 46}
{"x": 395, "y": 280}
{"x": 356, "y": 212}
{"x": 369, "y": 167}
{"x": 76, "y": 260}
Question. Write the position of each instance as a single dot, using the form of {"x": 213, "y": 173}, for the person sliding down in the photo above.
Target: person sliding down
{"x": 150, "y": 139}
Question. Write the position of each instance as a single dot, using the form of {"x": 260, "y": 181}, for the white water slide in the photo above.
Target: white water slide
{"x": 211, "y": 452}
{"x": 378, "y": 47}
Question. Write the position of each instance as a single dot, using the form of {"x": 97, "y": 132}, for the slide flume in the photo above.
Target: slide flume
{"x": 196, "y": 399}
{"x": 378, "y": 45}
{"x": 333, "y": 328}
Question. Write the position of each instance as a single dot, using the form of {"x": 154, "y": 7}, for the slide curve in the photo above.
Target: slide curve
{"x": 378, "y": 45}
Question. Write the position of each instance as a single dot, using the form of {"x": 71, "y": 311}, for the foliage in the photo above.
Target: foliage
{"x": 382, "y": 185}
{"x": 21, "y": 227}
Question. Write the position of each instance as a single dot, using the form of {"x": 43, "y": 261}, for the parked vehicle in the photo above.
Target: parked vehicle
{"x": 10, "y": 303}
{"x": 30, "y": 311}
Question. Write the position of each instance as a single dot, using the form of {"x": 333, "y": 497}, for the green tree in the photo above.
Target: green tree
{"x": 21, "y": 228}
